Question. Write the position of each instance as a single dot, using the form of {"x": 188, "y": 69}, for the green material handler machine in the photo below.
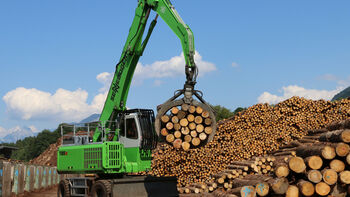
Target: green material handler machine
{"x": 121, "y": 142}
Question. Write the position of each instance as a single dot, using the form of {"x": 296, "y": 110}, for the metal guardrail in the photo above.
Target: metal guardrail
{"x": 18, "y": 178}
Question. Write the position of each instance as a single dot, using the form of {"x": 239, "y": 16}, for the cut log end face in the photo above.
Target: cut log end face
{"x": 314, "y": 176}
{"x": 282, "y": 171}
{"x": 248, "y": 191}
{"x": 262, "y": 189}
{"x": 297, "y": 164}
{"x": 330, "y": 176}
{"x": 342, "y": 149}
{"x": 314, "y": 162}
{"x": 328, "y": 152}
{"x": 280, "y": 185}
{"x": 345, "y": 177}
{"x": 346, "y": 136}
{"x": 322, "y": 189}
{"x": 292, "y": 191}
{"x": 306, "y": 188}
{"x": 337, "y": 165}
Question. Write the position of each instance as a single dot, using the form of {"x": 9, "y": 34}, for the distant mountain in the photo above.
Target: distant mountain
{"x": 17, "y": 133}
{"x": 343, "y": 94}
{"x": 92, "y": 118}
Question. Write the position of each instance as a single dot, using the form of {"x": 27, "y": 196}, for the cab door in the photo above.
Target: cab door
{"x": 130, "y": 135}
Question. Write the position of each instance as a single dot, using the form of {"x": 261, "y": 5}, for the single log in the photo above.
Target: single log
{"x": 185, "y": 145}
{"x": 342, "y": 149}
{"x": 279, "y": 185}
{"x": 169, "y": 125}
{"x": 205, "y": 114}
{"x": 207, "y": 121}
{"x": 185, "y": 130}
{"x": 337, "y": 165}
{"x": 192, "y": 126}
{"x": 262, "y": 189}
{"x": 325, "y": 151}
{"x": 314, "y": 162}
{"x": 193, "y": 133}
{"x": 297, "y": 164}
{"x": 199, "y": 110}
{"x": 199, "y": 128}
{"x": 248, "y": 191}
{"x": 174, "y": 110}
{"x": 281, "y": 170}
{"x": 220, "y": 178}
{"x": 208, "y": 130}
{"x": 164, "y": 132}
{"x": 196, "y": 141}
{"x": 329, "y": 176}
{"x": 170, "y": 138}
{"x": 181, "y": 114}
{"x": 242, "y": 163}
{"x": 177, "y": 126}
{"x": 177, "y": 134}
{"x": 314, "y": 176}
{"x": 190, "y": 117}
{"x": 306, "y": 188}
{"x": 345, "y": 177}
{"x": 185, "y": 107}
{"x": 322, "y": 189}
{"x": 174, "y": 119}
{"x": 336, "y": 136}
{"x": 165, "y": 119}
{"x": 192, "y": 109}
{"x": 292, "y": 191}
{"x": 177, "y": 143}
{"x": 184, "y": 122}
{"x": 202, "y": 136}
{"x": 198, "y": 119}
{"x": 187, "y": 138}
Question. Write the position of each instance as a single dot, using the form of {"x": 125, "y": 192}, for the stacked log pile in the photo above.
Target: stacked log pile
{"x": 316, "y": 165}
{"x": 257, "y": 131}
{"x": 187, "y": 127}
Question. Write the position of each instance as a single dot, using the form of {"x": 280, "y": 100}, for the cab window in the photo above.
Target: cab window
{"x": 131, "y": 129}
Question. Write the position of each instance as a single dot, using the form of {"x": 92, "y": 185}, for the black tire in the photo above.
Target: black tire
{"x": 63, "y": 189}
{"x": 101, "y": 188}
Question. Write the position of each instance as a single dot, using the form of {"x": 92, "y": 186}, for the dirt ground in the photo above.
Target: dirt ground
{"x": 47, "y": 193}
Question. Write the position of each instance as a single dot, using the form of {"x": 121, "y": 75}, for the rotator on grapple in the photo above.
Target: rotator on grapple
{"x": 122, "y": 140}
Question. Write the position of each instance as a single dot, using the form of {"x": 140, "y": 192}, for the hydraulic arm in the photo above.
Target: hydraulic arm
{"x": 133, "y": 49}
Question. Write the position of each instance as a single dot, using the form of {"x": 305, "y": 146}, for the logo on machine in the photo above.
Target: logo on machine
{"x": 115, "y": 85}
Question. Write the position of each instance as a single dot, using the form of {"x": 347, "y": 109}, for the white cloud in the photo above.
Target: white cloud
{"x": 294, "y": 90}
{"x": 234, "y": 65}
{"x": 63, "y": 105}
{"x": 173, "y": 67}
{"x": 70, "y": 106}
{"x": 3, "y": 132}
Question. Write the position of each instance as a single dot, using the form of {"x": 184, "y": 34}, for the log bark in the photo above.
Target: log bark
{"x": 336, "y": 136}
{"x": 279, "y": 185}
{"x": 325, "y": 151}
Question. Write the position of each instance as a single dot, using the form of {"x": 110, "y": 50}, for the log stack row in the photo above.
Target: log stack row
{"x": 316, "y": 165}
{"x": 257, "y": 131}
{"x": 187, "y": 127}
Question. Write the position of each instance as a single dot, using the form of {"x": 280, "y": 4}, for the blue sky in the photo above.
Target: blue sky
{"x": 52, "y": 53}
